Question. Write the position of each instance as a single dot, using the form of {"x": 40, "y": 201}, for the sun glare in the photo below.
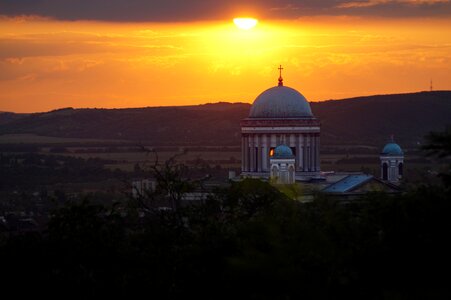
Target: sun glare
{"x": 245, "y": 23}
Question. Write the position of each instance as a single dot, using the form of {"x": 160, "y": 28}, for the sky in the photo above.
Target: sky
{"x": 138, "y": 53}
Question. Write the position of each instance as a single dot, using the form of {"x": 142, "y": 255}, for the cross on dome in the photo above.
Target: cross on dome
{"x": 280, "y": 76}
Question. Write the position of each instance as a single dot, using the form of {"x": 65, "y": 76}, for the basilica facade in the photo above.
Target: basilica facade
{"x": 281, "y": 117}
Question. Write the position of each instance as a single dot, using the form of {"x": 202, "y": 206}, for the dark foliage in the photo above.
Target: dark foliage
{"x": 246, "y": 241}
{"x": 439, "y": 146}
{"x": 43, "y": 170}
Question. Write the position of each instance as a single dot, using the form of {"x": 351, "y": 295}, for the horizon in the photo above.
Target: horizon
{"x": 218, "y": 102}
{"x": 61, "y": 54}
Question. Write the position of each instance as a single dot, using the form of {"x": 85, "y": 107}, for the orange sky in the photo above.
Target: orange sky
{"x": 47, "y": 64}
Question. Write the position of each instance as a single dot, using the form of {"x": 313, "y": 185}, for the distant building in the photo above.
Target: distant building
{"x": 282, "y": 163}
{"x": 392, "y": 162}
{"x": 280, "y": 141}
{"x": 358, "y": 184}
{"x": 141, "y": 186}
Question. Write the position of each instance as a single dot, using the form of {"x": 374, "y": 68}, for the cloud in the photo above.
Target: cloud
{"x": 370, "y": 3}
{"x": 51, "y": 64}
{"x": 196, "y": 10}
{"x": 287, "y": 7}
{"x": 363, "y": 3}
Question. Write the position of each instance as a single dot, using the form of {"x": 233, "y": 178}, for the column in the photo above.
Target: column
{"x": 297, "y": 141}
{"x": 273, "y": 140}
{"x": 308, "y": 150}
{"x": 296, "y": 144}
{"x": 265, "y": 152}
{"x": 303, "y": 144}
{"x": 243, "y": 153}
{"x": 313, "y": 152}
{"x": 252, "y": 153}
{"x": 246, "y": 152}
{"x": 258, "y": 144}
{"x": 292, "y": 140}
{"x": 318, "y": 153}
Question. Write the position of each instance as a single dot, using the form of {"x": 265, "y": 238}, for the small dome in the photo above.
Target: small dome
{"x": 392, "y": 149}
{"x": 283, "y": 151}
{"x": 280, "y": 102}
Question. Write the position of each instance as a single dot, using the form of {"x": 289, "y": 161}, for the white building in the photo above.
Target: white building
{"x": 283, "y": 165}
{"x": 142, "y": 186}
{"x": 392, "y": 162}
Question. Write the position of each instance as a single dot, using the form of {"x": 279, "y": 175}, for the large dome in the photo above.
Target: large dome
{"x": 280, "y": 102}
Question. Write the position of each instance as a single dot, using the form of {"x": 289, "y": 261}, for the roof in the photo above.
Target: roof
{"x": 348, "y": 183}
{"x": 392, "y": 149}
{"x": 280, "y": 102}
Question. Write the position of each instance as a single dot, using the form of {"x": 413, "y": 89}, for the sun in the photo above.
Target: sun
{"x": 245, "y": 23}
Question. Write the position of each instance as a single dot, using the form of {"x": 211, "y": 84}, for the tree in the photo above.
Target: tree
{"x": 173, "y": 182}
{"x": 439, "y": 145}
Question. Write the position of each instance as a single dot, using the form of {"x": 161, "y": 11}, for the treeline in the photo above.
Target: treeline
{"x": 31, "y": 171}
{"x": 246, "y": 241}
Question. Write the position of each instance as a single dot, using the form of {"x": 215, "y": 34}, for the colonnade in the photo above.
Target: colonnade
{"x": 256, "y": 149}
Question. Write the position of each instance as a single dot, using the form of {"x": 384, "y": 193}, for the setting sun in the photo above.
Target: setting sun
{"x": 245, "y": 23}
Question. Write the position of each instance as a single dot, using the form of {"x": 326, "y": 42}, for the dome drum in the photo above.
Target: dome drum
{"x": 290, "y": 122}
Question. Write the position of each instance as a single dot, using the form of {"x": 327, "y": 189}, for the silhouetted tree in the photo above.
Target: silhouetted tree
{"x": 439, "y": 145}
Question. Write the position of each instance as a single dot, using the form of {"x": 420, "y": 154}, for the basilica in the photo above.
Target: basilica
{"x": 281, "y": 136}
{"x": 280, "y": 140}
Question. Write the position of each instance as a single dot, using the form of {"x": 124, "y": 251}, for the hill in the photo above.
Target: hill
{"x": 363, "y": 120}
{"x": 372, "y": 119}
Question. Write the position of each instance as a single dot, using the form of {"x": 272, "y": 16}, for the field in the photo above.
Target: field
{"x": 128, "y": 155}
{"x": 123, "y": 155}
{"x": 37, "y": 139}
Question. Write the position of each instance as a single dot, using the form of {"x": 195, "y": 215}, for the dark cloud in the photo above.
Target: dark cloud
{"x": 189, "y": 10}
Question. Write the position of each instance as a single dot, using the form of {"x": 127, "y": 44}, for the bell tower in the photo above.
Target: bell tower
{"x": 392, "y": 162}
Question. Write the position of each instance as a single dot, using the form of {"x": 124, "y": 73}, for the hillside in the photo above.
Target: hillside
{"x": 371, "y": 120}
{"x": 364, "y": 120}
{"x": 206, "y": 124}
